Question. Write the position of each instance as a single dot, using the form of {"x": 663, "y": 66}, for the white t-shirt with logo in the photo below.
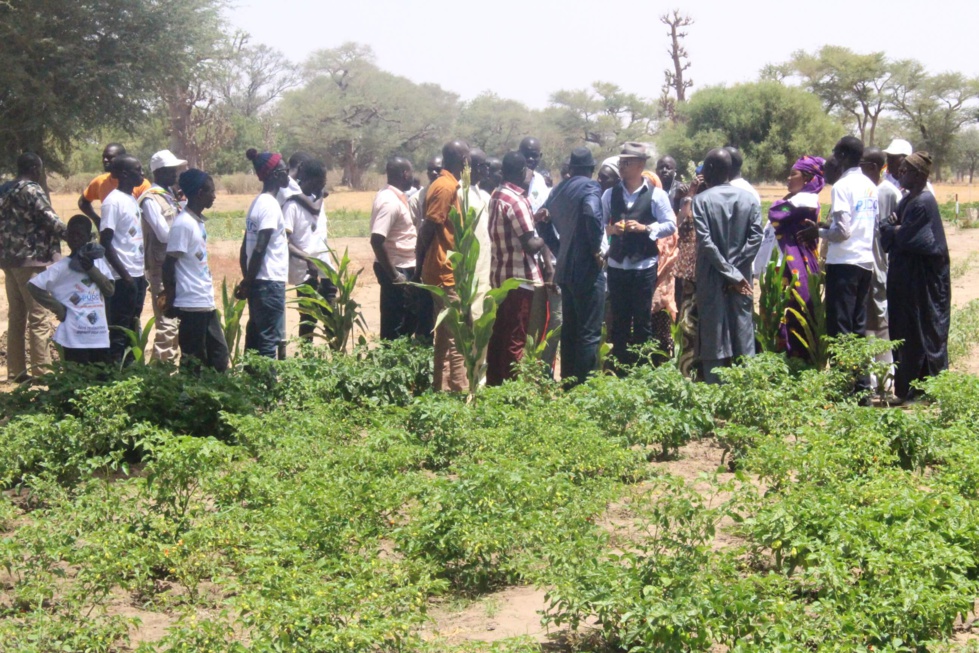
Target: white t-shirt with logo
{"x": 854, "y": 214}
{"x": 265, "y": 213}
{"x": 188, "y": 240}
{"x": 120, "y": 212}
{"x": 308, "y": 233}
{"x": 85, "y": 326}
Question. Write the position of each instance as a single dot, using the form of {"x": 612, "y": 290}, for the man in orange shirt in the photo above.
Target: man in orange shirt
{"x": 432, "y": 264}
{"x": 100, "y": 187}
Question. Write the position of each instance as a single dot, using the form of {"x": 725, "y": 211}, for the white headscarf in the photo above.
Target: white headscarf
{"x": 613, "y": 163}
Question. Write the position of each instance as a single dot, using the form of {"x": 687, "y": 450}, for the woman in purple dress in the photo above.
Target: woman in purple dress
{"x": 788, "y": 216}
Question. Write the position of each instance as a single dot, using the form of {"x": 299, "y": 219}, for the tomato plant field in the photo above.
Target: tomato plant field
{"x": 332, "y": 503}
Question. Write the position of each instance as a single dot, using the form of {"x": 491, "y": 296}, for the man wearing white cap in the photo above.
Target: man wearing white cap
{"x": 896, "y": 152}
{"x": 159, "y": 207}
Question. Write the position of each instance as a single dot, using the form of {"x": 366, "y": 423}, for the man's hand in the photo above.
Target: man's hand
{"x": 127, "y": 279}
{"x": 743, "y": 287}
{"x": 632, "y": 226}
{"x": 86, "y": 263}
{"x": 542, "y": 215}
{"x": 61, "y": 313}
{"x": 162, "y": 301}
{"x": 399, "y": 277}
{"x": 617, "y": 228}
{"x": 242, "y": 290}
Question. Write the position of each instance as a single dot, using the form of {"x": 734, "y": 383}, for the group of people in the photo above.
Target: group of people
{"x": 636, "y": 252}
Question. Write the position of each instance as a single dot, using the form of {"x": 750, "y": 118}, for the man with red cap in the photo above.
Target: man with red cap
{"x": 264, "y": 259}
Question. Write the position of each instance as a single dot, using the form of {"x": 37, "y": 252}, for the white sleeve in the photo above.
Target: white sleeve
{"x": 179, "y": 238}
{"x": 154, "y": 218}
{"x": 110, "y": 216}
{"x": 45, "y": 279}
{"x": 289, "y": 210}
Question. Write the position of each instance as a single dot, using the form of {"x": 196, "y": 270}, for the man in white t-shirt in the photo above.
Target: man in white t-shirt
{"x": 188, "y": 288}
{"x": 122, "y": 237}
{"x": 264, "y": 260}
{"x": 850, "y": 254}
{"x": 75, "y": 289}
{"x": 159, "y": 207}
{"x": 393, "y": 239}
{"x": 305, "y": 224}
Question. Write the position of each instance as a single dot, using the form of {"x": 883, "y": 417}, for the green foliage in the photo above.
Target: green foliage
{"x": 139, "y": 342}
{"x": 230, "y": 317}
{"x": 813, "y": 322}
{"x": 963, "y": 334}
{"x": 772, "y": 124}
{"x": 337, "y": 319}
{"x": 775, "y": 298}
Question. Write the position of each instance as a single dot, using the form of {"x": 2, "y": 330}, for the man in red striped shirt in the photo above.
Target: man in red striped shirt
{"x": 515, "y": 243}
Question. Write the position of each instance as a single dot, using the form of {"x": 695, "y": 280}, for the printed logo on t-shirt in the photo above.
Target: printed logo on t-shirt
{"x": 92, "y": 318}
{"x": 140, "y": 249}
{"x": 75, "y": 298}
{"x": 199, "y": 255}
{"x": 132, "y": 232}
{"x": 251, "y": 226}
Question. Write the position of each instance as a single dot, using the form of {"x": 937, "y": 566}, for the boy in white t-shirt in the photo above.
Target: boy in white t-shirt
{"x": 187, "y": 286}
{"x": 264, "y": 260}
{"x": 122, "y": 237}
{"x": 75, "y": 290}
{"x": 307, "y": 239}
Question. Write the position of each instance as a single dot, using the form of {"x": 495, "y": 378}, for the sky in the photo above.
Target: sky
{"x": 527, "y": 50}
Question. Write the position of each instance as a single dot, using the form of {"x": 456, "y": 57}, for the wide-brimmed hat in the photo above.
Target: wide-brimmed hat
{"x": 165, "y": 159}
{"x": 899, "y": 146}
{"x": 581, "y": 157}
{"x": 634, "y": 151}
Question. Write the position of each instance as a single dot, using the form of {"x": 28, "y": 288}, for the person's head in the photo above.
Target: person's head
{"x": 566, "y": 169}
{"x": 455, "y": 155}
{"x": 494, "y": 174}
{"x": 198, "y": 188}
{"x": 666, "y": 171}
{"x": 737, "y": 160}
{"x": 433, "y": 167}
{"x": 915, "y": 171}
{"x": 872, "y": 164}
{"x": 530, "y": 148}
{"x": 164, "y": 166}
{"x": 848, "y": 151}
{"x": 717, "y": 167}
{"x": 898, "y": 150}
{"x": 312, "y": 177}
{"x": 399, "y": 173}
{"x": 514, "y": 168}
{"x": 296, "y": 162}
{"x": 608, "y": 173}
{"x": 30, "y": 166}
{"x": 79, "y": 232}
{"x": 128, "y": 171}
{"x": 478, "y": 167}
{"x": 807, "y": 175}
{"x": 632, "y": 161}
{"x": 270, "y": 169}
{"x": 581, "y": 163}
{"x": 111, "y": 151}
{"x": 832, "y": 170}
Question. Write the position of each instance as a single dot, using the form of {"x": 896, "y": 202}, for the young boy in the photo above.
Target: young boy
{"x": 75, "y": 290}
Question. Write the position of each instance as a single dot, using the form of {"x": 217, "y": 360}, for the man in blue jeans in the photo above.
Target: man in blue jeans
{"x": 574, "y": 229}
{"x": 637, "y": 214}
{"x": 264, "y": 260}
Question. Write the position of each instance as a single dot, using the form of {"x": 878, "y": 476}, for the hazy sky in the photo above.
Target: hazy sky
{"x": 526, "y": 50}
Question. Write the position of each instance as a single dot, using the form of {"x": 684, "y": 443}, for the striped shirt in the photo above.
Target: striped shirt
{"x": 510, "y": 218}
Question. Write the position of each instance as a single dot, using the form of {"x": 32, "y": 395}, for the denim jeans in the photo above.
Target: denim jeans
{"x": 266, "y": 317}
{"x": 123, "y": 310}
{"x": 398, "y": 312}
{"x": 202, "y": 340}
{"x": 631, "y": 295}
{"x": 581, "y": 333}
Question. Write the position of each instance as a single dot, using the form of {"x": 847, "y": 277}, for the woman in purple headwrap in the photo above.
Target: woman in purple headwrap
{"x": 788, "y": 216}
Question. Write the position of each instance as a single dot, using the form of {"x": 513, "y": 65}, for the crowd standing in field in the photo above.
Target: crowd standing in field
{"x": 643, "y": 252}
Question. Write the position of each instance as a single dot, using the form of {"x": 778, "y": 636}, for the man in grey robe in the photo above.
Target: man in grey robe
{"x": 729, "y": 233}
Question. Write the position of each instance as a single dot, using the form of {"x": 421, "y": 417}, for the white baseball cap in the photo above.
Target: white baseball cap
{"x": 899, "y": 146}
{"x": 167, "y": 159}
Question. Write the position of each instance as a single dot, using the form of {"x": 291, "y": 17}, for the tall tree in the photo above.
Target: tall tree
{"x": 494, "y": 124}
{"x": 966, "y": 153}
{"x": 252, "y": 76}
{"x": 771, "y": 123}
{"x": 935, "y": 107}
{"x": 675, "y": 79}
{"x": 604, "y": 115}
{"x": 72, "y": 67}
{"x": 355, "y": 115}
{"x": 853, "y": 86}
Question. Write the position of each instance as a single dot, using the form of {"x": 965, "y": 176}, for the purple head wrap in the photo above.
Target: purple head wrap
{"x": 811, "y": 165}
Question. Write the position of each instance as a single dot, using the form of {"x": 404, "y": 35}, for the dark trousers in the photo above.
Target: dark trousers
{"x": 325, "y": 289}
{"x": 266, "y": 317}
{"x": 424, "y": 307}
{"x": 201, "y": 338}
{"x": 86, "y": 356}
{"x": 398, "y": 316}
{"x": 631, "y": 295}
{"x": 581, "y": 332}
{"x": 847, "y": 290}
{"x": 506, "y": 345}
{"x": 124, "y": 308}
